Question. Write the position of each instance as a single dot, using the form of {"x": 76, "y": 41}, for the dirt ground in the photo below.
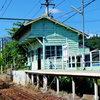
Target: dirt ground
{"x": 41, "y": 93}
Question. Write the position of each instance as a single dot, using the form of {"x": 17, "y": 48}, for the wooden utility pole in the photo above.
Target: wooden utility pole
{"x": 47, "y": 3}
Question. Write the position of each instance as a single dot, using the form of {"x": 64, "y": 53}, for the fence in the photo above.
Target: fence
{"x": 75, "y": 61}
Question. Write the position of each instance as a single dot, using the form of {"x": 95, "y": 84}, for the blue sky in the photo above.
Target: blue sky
{"x": 30, "y": 9}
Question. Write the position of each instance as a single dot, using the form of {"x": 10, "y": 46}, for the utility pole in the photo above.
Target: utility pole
{"x": 83, "y": 34}
{"x": 82, "y": 13}
{"x": 47, "y": 3}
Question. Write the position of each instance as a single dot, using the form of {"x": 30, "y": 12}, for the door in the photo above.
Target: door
{"x": 39, "y": 58}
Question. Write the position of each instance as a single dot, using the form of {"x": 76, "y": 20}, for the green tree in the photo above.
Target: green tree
{"x": 11, "y": 49}
{"x": 92, "y": 42}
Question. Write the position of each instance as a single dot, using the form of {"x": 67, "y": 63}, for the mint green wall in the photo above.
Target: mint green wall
{"x": 54, "y": 33}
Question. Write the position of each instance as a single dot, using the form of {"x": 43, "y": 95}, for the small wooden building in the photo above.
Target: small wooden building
{"x": 43, "y": 38}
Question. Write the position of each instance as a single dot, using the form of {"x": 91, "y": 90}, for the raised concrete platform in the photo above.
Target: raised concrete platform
{"x": 71, "y": 73}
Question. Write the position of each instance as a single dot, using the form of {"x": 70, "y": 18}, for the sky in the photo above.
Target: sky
{"x": 31, "y": 9}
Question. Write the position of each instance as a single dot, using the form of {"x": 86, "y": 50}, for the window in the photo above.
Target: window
{"x": 53, "y": 51}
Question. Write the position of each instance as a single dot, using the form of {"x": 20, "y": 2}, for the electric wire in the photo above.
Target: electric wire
{"x": 60, "y": 3}
{"x": 92, "y": 10}
{"x": 80, "y": 10}
{"x": 88, "y": 21}
{"x": 32, "y": 8}
{"x": 3, "y": 5}
{"x": 67, "y": 13}
{"x": 6, "y": 8}
{"x": 13, "y": 19}
{"x": 57, "y": 5}
{"x": 36, "y": 13}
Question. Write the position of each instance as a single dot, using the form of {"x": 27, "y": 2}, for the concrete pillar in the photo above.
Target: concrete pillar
{"x": 57, "y": 84}
{"x": 45, "y": 82}
{"x": 38, "y": 80}
{"x": 73, "y": 88}
{"x": 95, "y": 89}
{"x": 32, "y": 78}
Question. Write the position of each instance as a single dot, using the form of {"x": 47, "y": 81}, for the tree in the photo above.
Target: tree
{"x": 92, "y": 42}
{"x": 11, "y": 50}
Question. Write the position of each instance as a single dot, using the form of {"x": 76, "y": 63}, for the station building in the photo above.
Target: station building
{"x": 43, "y": 39}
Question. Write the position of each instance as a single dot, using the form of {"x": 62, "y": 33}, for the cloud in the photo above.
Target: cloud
{"x": 54, "y": 10}
{"x": 91, "y": 35}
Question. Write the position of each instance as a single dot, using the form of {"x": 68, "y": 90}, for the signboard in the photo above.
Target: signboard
{"x": 65, "y": 52}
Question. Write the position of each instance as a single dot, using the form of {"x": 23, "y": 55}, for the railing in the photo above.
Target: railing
{"x": 75, "y": 62}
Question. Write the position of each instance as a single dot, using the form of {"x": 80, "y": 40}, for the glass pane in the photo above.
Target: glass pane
{"x": 52, "y": 52}
{"x": 59, "y": 47}
{"x": 47, "y": 48}
{"x": 47, "y": 52}
{"x": 52, "y": 48}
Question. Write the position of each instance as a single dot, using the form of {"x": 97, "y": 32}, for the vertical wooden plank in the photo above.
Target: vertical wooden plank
{"x": 57, "y": 84}
{"x": 71, "y": 62}
{"x": 45, "y": 82}
{"x": 35, "y": 65}
{"x": 32, "y": 78}
{"x": 91, "y": 60}
{"x": 75, "y": 63}
{"x": 62, "y": 58}
{"x": 38, "y": 80}
{"x": 96, "y": 89}
{"x": 73, "y": 87}
{"x": 43, "y": 52}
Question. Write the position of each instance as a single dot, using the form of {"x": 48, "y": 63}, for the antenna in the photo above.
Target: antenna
{"x": 47, "y": 7}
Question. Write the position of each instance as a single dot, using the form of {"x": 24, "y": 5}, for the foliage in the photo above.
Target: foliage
{"x": 11, "y": 49}
{"x": 92, "y": 42}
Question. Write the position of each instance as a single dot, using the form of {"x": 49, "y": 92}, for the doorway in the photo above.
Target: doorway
{"x": 39, "y": 58}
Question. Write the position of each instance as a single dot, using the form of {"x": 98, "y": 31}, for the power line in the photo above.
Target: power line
{"x": 57, "y": 5}
{"x": 67, "y": 13}
{"x": 36, "y": 13}
{"x": 32, "y": 8}
{"x": 13, "y": 19}
{"x": 6, "y": 8}
{"x": 3, "y": 5}
{"x": 92, "y": 10}
{"x": 86, "y": 21}
{"x": 60, "y": 3}
{"x": 80, "y": 10}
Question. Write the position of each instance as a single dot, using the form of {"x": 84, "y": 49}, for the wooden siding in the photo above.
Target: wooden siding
{"x": 55, "y": 34}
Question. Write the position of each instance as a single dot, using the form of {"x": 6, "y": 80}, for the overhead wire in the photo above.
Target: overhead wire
{"x": 3, "y": 5}
{"x": 36, "y": 12}
{"x": 80, "y": 10}
{"x": 6, "y": 8}
{"x": 67, "y": 13}
{"x": 60, "y": 3}
{"x": 57, "y": 5}
{"x": 32, "y": 8}
{"x": 93, "y": 10}
{"x": 13, "y": 19}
